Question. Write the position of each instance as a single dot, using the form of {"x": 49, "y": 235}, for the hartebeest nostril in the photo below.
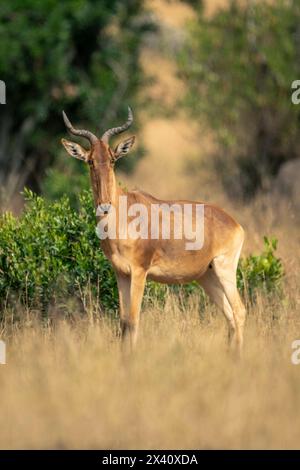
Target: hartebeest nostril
{"x": 103, "y": 209}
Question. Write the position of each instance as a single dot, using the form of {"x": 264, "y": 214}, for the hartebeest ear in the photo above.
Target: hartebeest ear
{"x": 123, "y": 148}
{"x": 75, "y": 150}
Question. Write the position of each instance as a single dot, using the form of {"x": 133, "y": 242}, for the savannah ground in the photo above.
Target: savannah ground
{"x": 66, "y": 383}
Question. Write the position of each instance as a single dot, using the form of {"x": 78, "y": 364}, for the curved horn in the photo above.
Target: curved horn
{"x": 82, "y": 133}
{"x": 117, "y": 130}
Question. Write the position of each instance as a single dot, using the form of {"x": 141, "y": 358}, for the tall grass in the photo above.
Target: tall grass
{"x": 67, "y": 385}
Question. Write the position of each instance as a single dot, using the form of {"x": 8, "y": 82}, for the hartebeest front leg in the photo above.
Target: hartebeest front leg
{"x": 124, "y": 298}
{"x": 131, "y": 290}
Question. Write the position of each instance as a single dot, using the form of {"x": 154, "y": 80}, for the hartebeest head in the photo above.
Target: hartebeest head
{"x": 100, "y": 157}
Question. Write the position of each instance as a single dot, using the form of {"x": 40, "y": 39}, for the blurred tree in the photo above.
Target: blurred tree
{"x": 77, "y": 55}
{"x": 238, "y": 66}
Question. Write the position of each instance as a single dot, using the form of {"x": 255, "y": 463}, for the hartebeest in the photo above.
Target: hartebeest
{"x": 134, "y": 259}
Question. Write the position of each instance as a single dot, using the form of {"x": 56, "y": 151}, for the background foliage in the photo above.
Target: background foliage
{"x": 82, "y": 55}
{"x": 238, "y": 65}
{"x": 77, "y": 55}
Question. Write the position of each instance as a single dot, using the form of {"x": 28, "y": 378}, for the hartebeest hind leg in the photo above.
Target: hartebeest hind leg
{"x": 131, "y": 290}
{"x": 215, "y": 292}
{"x": 227, "y": 278}
{"x": 219, "y": 282}
{"x": 225, "y": 267}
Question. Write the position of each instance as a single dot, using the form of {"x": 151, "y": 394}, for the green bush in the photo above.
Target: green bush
{"x": 264, "y": 271}
{"x": 52, "y": 252}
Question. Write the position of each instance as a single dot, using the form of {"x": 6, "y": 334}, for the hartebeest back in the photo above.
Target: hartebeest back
{"x": 168, "y": 259}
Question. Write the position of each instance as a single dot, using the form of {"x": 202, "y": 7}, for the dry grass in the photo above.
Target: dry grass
{"x": 67, "y": 385}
